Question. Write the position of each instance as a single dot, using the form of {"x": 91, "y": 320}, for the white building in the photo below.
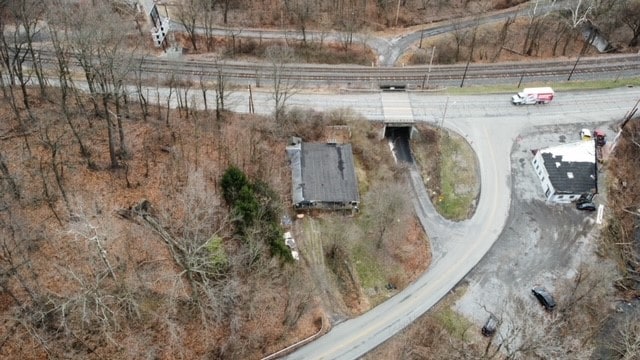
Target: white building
{"x": 567, "y": 171}
{"x": 160, "y": 24}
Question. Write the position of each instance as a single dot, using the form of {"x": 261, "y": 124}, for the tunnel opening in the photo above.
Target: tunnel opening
{"x": 398, "y": 131}
{"x": 393, "y": 87}
{"x": 398, "y": 138}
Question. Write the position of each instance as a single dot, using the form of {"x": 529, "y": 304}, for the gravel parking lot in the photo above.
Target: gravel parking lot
{"x": 542, "y": 244}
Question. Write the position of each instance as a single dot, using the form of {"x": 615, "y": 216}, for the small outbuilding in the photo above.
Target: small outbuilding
{"x": 567, "y": 171}
{"x": 323, "y": 176}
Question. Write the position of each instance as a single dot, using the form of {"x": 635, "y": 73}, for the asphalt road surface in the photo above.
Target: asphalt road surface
{"x": 542, "y": 244}
{"x": 491, "y": 125}
{"x": 388, "y": 50}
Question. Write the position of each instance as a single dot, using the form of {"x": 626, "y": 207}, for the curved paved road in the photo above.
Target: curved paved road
{"x": 388, "y": 50}
{"x": 491, "y": 125}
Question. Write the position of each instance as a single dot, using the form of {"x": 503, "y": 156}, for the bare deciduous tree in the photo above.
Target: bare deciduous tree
{"x": 222, "y": 90}
{"x": 188, "y": 12}
{"x": 208, "y": 16}
{"x": 303, "y": 12}
{"x": 502, "y": 37}
{"x": 96, "y": 37}
{"x": 17, "y": 47}
{"x": 625, "y": 342}
{"x": 54, "y": 141}
{"x": 630, "y": 12}
{"x": 283, "y": 86}
{"x": 8, "y": 178}
{"x": 28, "y": 14}
{"x": 142, "y": 92}
{"x": 226, "y": 6}
{"x": 58, "y": 20}
{"x": 580, "y": 11}
{"x": 537, "y": 14}
{"x": 388, "y": 208}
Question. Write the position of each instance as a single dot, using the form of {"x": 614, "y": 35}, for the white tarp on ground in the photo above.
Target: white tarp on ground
{"x": 291, "y": 243}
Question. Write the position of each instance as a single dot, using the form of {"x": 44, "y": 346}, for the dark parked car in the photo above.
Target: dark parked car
{"x": 490, "y": 326}
{"x": 585, "y": 198}
{"x": 585, "y": 202}
{"x": 544, "y": 297}
{"x": 587, "y": 206}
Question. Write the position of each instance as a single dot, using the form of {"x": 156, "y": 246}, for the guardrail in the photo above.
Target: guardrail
{"x": 289, "y": 349}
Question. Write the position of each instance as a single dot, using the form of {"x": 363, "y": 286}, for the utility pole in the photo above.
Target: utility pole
{"x": 464, "y": 75}
{"x": 520, "y": 82}
{"x": 574, "y": 67}
{"x": 252, "y": 110}
{"x": 584, "y": 49}
{"x": 433, "y": 51}
{"x": 473, "y": 45}
{"x": 444, "y": 114}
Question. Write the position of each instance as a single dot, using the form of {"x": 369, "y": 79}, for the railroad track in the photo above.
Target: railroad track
{"x": 600, "y": 67}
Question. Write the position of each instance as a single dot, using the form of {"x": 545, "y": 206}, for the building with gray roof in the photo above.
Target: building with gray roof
{"x": 323, "y": 176}
{"x": 567, "y": 171}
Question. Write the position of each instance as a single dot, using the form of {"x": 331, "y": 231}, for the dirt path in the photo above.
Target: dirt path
{"x": 313, "y": 255}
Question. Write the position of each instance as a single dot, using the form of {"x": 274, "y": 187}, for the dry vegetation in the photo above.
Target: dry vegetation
{"x": 93, "y": 257}
{"x": 622, "y": 236}
{"x": 533, "y": 34}
{"x": 449, "y": 170}
{"x": 338, "y": 15}
{"x": 593, "y": 320}
{"x": 81, "y": 273}
{"x": 115, "y": 239}
{"x": 526, "y": 332}
{"x": 115, "y": 230}
{"x": 620, "y": 242}
{"x": 253, "y": 49}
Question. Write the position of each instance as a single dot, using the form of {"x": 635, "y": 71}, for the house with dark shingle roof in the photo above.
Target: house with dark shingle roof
{"x": 567, "y": 171}
{"x": 323, "y": 176}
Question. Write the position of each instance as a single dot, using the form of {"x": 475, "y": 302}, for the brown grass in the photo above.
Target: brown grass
{"x": 620, "y": 234}
{"x": 152, "y": 300}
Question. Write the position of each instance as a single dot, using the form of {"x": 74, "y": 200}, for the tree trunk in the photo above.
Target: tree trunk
{"x": 58, "y": 175}
{"x": 63, "y": 73}
{"x": 90, "y": 77}
{"x": 15, "y": 190}
{"x": 227, "y": 4}
{"x": 47, "y": 196}
{"x": 636, "y": 38}
{"x": 123, "y": 147}
{"x": 37, "y": 65}
{"x": 110, "y": 133}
